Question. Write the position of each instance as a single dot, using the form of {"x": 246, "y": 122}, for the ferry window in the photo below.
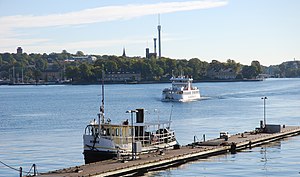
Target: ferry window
{"x": 120, "y": 131}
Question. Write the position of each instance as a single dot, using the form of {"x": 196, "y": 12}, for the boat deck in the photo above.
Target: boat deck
{"x": 174, "y": 157}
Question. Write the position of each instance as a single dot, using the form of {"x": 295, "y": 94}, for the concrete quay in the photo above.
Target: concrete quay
{"x": 174, "y": 157}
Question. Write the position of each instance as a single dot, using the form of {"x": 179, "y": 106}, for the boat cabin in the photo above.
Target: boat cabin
{"x": 123, "y": 134}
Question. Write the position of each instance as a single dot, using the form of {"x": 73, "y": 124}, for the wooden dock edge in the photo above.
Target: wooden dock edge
{"x": 178, "y": 160}
{"x": 166, "y": 163}
{"x": 267, "y": 139}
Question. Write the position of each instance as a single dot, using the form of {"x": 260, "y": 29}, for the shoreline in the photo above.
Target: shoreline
{"x": 135, "y": 82}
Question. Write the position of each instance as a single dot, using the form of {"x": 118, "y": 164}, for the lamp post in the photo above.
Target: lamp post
{"x": 265, "y": 121}
{"x": 131, "y": 111}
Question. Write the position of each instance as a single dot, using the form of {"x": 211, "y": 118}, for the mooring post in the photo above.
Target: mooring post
{"x": 250, "y": 144}
{"x": 20, "y": 171}
{"x": 203, "y": 137}
{"x": 233, "y": 148}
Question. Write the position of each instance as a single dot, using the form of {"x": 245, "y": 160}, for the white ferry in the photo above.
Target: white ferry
{"x": 181, "y": 90}
{"x": 103, "y": 140}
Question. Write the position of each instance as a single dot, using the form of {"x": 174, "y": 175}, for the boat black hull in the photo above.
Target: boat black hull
{"x": 96, "y": 156}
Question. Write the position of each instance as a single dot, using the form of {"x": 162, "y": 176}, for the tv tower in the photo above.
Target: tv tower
{"x": 159, "y": 37}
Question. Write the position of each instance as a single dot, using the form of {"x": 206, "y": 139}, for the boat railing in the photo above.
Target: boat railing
{"x": 163, "y": 137}
{"x": 150, "y": 139}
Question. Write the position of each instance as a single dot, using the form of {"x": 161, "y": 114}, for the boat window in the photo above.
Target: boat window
{"x": 94, "y": 130}
{"x": 117, "y": 132}
{"x": 91, "y": 130}
{"x": 107, "y": 132}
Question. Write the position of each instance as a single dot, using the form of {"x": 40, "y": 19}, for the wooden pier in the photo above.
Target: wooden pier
{"x": 176, "y": 156}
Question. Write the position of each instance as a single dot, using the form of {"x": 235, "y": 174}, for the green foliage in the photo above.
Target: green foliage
{"x": 290, "y": 69}
{"x": 257, "y": 66}
{"x": 153, "y": 69}
{"x": 249, "y": 72}
{"x": 79, "y": 53}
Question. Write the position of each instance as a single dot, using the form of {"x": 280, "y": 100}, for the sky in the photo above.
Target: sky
{"x": 241, "y": 30}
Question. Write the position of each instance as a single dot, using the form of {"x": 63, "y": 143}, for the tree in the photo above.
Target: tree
{"x": 196, "y": 65}
{"x": 11, "y": 60}
{"x": 257, "y": 66}
{"x": 79, "y": 53}
{"x": 171, "y": 66}
{"x": 85, "y": 72}
{"x": 215, "y": 65}
{"x": 236, "y": 67}
{"x": 37, "y": 74}
{"x": 249, "y": 72}
{"x": 73, "y": 73}
{"x": 111, "y": 66}
{"x": 40, "y": 63}
{"x": 97, "y": 70}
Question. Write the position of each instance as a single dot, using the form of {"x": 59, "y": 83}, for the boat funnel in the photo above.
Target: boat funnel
{"x": 140, "y": 116}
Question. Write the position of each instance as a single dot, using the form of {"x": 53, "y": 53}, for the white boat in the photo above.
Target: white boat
{"x": 103, "y": 140}
{"x": 181, "y": 90}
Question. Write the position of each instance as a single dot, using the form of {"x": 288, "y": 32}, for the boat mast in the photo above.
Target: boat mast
{"x": 170, "y": 117}
{"x": 102, "y": 102}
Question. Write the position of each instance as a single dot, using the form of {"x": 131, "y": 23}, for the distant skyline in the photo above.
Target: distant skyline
{"x": 267, "y": 31}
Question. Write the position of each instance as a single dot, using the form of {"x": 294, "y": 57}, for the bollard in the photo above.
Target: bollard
{"x": 250, "y": 144}
{"x": 233, "y": 148}
{"x": 20, "y": 171}
{"x": 203, "y": 137}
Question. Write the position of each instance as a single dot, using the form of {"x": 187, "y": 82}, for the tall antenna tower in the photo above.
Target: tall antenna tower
{"x": 159, "y": 37}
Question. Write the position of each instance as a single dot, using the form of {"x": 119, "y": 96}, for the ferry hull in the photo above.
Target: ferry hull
{"x": 95, "y": 156}
{"x": 180, "y": 97}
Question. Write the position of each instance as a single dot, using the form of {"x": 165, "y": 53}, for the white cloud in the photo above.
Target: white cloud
{"x": 9, "y": 24}
{"x": 102, "y": 14}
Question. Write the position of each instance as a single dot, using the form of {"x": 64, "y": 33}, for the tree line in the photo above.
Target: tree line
{"x": 154, "y": 69}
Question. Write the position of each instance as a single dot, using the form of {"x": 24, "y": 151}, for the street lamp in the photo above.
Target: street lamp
{"x": 265, "y": 122}
{"x": 131, "y": 111}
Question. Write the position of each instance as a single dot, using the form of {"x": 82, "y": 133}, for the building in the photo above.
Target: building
{"x": 150, "y": 55}
{"x": 122, "y": 77}
{"x": 53, "y": 73}
{"x": 154, "y": 54}
{"x": 19, "y": 50}
{"x": 87, "y": 58}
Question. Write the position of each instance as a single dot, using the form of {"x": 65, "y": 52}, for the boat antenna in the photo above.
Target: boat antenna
{"x": 102, "y": 102}
{"x": 171, "y": 116}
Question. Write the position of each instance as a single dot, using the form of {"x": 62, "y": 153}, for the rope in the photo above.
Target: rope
{"x": 9, "y": 166}
{"x": 29, "y": 171}
{"x": 18, "y": 170}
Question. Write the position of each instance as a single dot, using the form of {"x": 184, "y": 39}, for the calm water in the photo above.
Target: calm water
{"x": 44, "y": 124}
